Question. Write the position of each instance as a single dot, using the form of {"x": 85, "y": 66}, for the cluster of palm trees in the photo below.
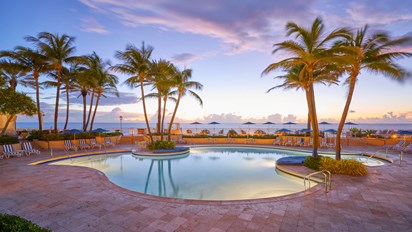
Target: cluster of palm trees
{"x": 168, "y": 82}
{"x": 319, "y": 57}
{"x": 53, "y": 55}
{"x": 89, "y": 75}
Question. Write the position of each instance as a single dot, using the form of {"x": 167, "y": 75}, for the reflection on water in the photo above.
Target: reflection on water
{"x": 221, "y": 173}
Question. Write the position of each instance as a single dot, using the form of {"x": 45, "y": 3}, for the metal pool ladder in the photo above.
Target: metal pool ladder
{"x": 327, "y": 179}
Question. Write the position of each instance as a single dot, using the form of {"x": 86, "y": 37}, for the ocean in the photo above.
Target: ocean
{"x": 126, "y": 126}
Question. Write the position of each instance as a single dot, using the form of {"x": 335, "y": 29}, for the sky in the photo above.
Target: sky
{"x": 227, "y": 44}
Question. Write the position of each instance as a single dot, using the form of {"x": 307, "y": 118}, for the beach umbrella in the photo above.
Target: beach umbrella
{"x": 284, "y": 130}
{"x": 324, "y": 123}
{"x": 289, "y": 123}
{"x": 404, "y": 132}
{"x": 195, "y": 123}
{"x": 214, "y": 123}
{"x": 268, "y": 123}
{"x": 329, "y": 131}
{"x": 248, "y": 123}
{"x": 304, "y": 131}
{"x": 100, "y": 130}
{"x": 74, "y": 132}
{"x": 350, "y": 123}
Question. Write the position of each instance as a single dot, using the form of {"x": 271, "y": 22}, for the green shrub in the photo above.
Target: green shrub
{"x": 7, "y": 139}
{"x": 16, "y": 224}
{"x": 352, "y": 167}
{"x": 312, "y": 162}
{"x": 330, "y": 164}
{"x": 159, "y": 145}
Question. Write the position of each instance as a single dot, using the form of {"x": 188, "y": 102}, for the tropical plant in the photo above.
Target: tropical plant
{"x": 184, "y": 85}
{"x": 136, "y": 62}
{"x": 13, "y": 103}
{"x": 375, "y": 53}
{"x": 310, "y": 54}
{"x": 14, "y": 73}
{"x": 59, "y": 50}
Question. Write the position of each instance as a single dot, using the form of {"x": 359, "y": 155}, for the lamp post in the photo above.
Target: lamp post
{"x": 121, "y": 118}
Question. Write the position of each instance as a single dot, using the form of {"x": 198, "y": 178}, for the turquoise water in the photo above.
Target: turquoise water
{"x": 206, "y": 173}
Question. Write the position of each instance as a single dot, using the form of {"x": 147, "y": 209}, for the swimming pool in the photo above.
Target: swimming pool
{"x": 206, "y": 173}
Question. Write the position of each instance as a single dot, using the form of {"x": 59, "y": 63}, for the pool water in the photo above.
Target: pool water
{"x": 206, "y": 173}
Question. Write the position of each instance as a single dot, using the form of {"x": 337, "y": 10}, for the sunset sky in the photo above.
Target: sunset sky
{"x": 226, "y": 43}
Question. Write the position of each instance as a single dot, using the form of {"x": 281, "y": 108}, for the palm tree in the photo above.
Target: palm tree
{"x": 14, "y": 73}
{"x": 37, "y": 64}
{"x": 374, "y": 53}
{"x": 184, "y": 86}
{"x": 136, "y": 62}
{"x": 311, "y": 53}
{"x": 105, "y": 83}
{"x": 59, "y": 50}
{"x": 162, "y": 72}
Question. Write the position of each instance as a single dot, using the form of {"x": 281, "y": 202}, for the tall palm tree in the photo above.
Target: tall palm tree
{"x": 105, "y": 84}
{"x": 36, "y": 62}
{"x": 311, "y": 52}
{"x": 183, "y": 86}
{"x": 59, "y": 50}
{"x": 136, "y": 62}
{"x": 374, "y": 53}
{"x": 162, "y": 72}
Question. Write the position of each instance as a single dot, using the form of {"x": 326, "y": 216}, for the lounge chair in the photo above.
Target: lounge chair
{"x": 289, "y": 141}
{"x": 407, "y": 148}
{"x": 8, "y": 151}
{"x": 83, "y": 145}
{"x": 28, "y": 149}
{"x": 324, "y": 142}
{"x": 94, "y": 143}
{"x": 331, "y": 143}
{"x": 310, "y": 143}
{"x": 108, "y": 142}
{"x": 278, "y": 141}
{"x": 300, "y": 142}
{"x": 68, "y": 145}
{"x": 180, "y": 140}
{"x": 398, "y": 146}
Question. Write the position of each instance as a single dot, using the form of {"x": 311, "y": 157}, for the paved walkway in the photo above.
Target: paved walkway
{"x": 80, "y": 199}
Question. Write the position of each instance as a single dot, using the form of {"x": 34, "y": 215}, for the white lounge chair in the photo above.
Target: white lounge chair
{"x": 94, "y": 143}
{"x": 278, "y": 141}
{"x": 83, "y": 145}
{"x": 68, "y": 145}
{"x": 289, "y": 141}
{"x": 324, "y": 142}
{"x": 108, "y": 142}
{"x": 8, "y": 151}
{"x": 28, "y": 149}
{"x": 300, "y": 142}
{"x": 399, "y": 146}
{"x": 407, "y": 148}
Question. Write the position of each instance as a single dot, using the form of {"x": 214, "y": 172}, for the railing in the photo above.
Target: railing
{"x": 327, "y": 179}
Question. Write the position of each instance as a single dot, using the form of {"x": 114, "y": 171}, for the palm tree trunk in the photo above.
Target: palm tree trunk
{"x": 173, "y": 118}
{"x": 314, "y": 119}
{"x": 39, "y": 114}
{"x": 56, "y": 110}
{"x": 7, "y": 125}
{"x": 344, "y": 115}
{"x": 67, "y": 106}
{"x": 144, "y": 111}
{"x": 90, "y": 110}
{"x": 159, "y": 114}
{"x": 308, "y": 125}
{"x": 163, "y": 114}
{"x": 84, "y": 111}
{"x": 95, "y": 110}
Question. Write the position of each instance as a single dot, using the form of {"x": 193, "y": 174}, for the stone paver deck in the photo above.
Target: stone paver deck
{"x": 81, "y": 199}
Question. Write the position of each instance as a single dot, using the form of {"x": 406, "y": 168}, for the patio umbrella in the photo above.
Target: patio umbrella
{"x": 248, "y": 123}
{"x": 284, "y": 130}
{"x": 100, "y": 131}
{"x": 195, "y": 123}
{"x": 304, "y": 131}
{"x": 330, "y": 131}
{"x": 214, "y": 123}
{"x": 289, "y": 123}
{"x": 350, "y": 123}
{"x": 74, "y": 132}
{"x": 404, "y": 132}
{"x": 324, "y": 123}
{"x": 268, "y": 123}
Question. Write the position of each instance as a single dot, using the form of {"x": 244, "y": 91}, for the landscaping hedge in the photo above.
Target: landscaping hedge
{"x": 12, "y": 223}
